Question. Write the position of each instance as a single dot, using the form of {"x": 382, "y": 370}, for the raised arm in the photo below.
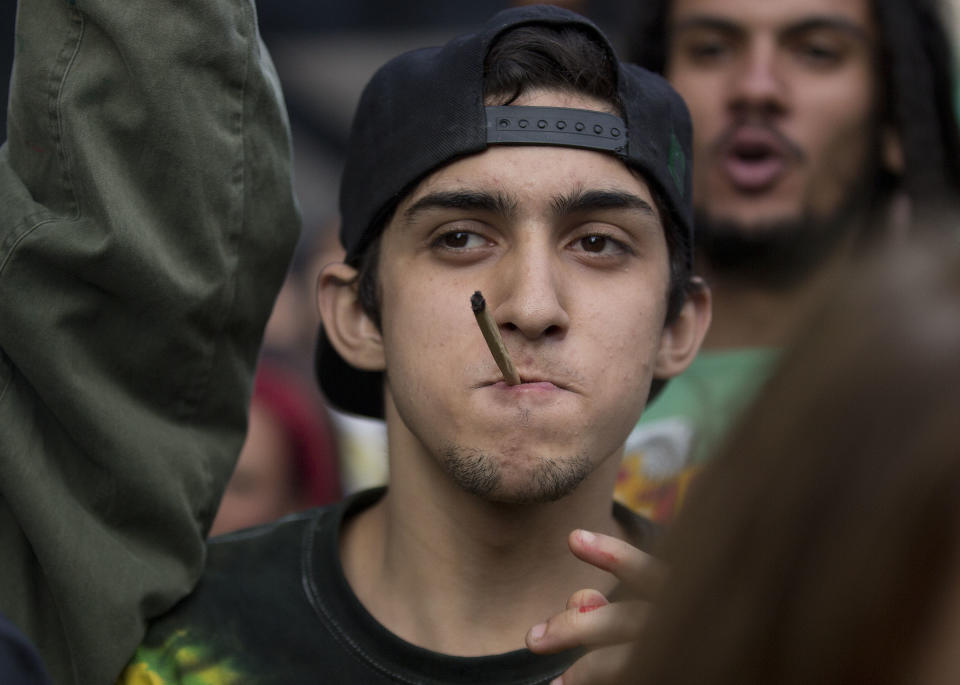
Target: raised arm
{"x": 146, "y": 222}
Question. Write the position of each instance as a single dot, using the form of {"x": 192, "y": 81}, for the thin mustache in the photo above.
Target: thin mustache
{"x": 725, "y": 139}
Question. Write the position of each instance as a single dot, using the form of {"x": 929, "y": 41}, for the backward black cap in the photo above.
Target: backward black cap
{"x": 425, "y": 108}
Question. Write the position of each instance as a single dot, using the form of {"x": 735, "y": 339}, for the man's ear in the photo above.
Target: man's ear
{"x": 682, "y": 337}
{"x": 351, "y": 332}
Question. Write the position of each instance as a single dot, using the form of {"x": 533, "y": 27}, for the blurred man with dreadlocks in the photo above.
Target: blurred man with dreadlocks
{"x": 821, "y": 127}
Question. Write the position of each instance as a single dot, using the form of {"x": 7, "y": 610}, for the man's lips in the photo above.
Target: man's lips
{"x": 529, "y": 383}
{"x": 755, "y": 157}
{"x": 753, "y": 175}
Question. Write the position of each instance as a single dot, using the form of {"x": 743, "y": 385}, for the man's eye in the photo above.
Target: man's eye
{"x": 458, "y": 240}
{"x": 818, "y": 54}
{"x": 594, "y": 243}
{"x": 600, "y": 244}
{"x": 706, "y": 51}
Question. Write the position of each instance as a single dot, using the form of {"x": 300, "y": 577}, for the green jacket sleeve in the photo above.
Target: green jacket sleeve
{"x": 146, "y": 222}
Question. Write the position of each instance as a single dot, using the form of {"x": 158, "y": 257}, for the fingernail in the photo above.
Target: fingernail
{"x": 538, "y": 630}
{"x": 557, "y": 681}
{"x": 586, "y": 537}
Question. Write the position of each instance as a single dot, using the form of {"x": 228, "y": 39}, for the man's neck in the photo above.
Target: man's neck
{"x": 448, "y": 571}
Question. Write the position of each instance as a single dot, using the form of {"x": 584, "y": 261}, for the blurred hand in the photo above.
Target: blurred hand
{"x": 607, "y": 629}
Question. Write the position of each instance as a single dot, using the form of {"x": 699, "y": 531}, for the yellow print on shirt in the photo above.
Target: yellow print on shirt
{"x": 181, "y": 662}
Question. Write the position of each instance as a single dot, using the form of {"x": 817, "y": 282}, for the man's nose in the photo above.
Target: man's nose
{"x": 757, "y": 84}
{"x": 530, "y": 293}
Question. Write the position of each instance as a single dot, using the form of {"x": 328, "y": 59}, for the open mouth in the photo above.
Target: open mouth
{"x": 754, "y": 159}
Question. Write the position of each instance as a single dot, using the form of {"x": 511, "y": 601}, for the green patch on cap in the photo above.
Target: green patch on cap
{"x": 677, "y": 163}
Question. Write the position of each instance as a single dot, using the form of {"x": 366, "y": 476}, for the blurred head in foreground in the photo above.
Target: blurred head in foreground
{"x": 823, "y": 546}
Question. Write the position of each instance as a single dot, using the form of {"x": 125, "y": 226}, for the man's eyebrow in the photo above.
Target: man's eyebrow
{"x": 587, "y": 200}
{"x": 810, "y": 23}
{"x": 828, "y": 23}
{"x": 480, "y": 201}
{"x": 707, "y": 22}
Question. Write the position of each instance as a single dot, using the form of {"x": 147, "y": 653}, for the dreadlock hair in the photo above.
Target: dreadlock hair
{"x": 917, "y": 85}
{"x": 918, "y": 91}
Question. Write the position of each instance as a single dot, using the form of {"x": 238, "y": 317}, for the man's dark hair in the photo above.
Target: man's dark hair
{"x": 556, "y": 58}
{"x": 916, "y": 78}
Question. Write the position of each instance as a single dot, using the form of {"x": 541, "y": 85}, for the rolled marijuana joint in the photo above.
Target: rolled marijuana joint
{"x": 491, "y": 333}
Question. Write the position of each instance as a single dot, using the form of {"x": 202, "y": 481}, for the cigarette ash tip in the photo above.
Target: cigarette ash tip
{"x": 477, "y": 302}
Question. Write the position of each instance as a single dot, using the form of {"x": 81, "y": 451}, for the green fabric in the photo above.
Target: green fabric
{"x": 685, "y": 425}
{"x": 146, "y": 222}
{"x": 711, "y": 393}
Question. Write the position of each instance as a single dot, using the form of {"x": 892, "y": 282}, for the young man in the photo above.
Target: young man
{"x": 525, "y": 162}
{"x": 819, "y": 127}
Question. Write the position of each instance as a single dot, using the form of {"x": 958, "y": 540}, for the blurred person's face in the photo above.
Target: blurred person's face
{"x": 262, "y": 486}
{"x": 783, "y": 99}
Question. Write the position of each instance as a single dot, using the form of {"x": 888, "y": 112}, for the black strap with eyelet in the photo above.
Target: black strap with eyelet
{"x": 562, "y": 126}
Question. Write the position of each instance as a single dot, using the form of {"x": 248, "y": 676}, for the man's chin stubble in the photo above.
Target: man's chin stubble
{"x": 545, "y": 480}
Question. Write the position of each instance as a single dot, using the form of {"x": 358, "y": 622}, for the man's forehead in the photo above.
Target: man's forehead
{"x": 778, "y": 15}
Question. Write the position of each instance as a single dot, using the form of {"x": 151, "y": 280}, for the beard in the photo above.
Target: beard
{"x": 781, "y": 254}
{"x": 778, "y": 255}
{"x": 546, "y": 480}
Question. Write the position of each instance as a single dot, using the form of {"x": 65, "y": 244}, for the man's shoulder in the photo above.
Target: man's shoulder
{"x": 265, "y": 569}
{"x": 248, "y": 548}
{"x": 253, "y": 565}
{"x": 249, "y": 602}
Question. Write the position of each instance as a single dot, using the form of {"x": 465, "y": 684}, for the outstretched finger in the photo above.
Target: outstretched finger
{"x": 640, "y": 574}
{"x": 592, "y": 624}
